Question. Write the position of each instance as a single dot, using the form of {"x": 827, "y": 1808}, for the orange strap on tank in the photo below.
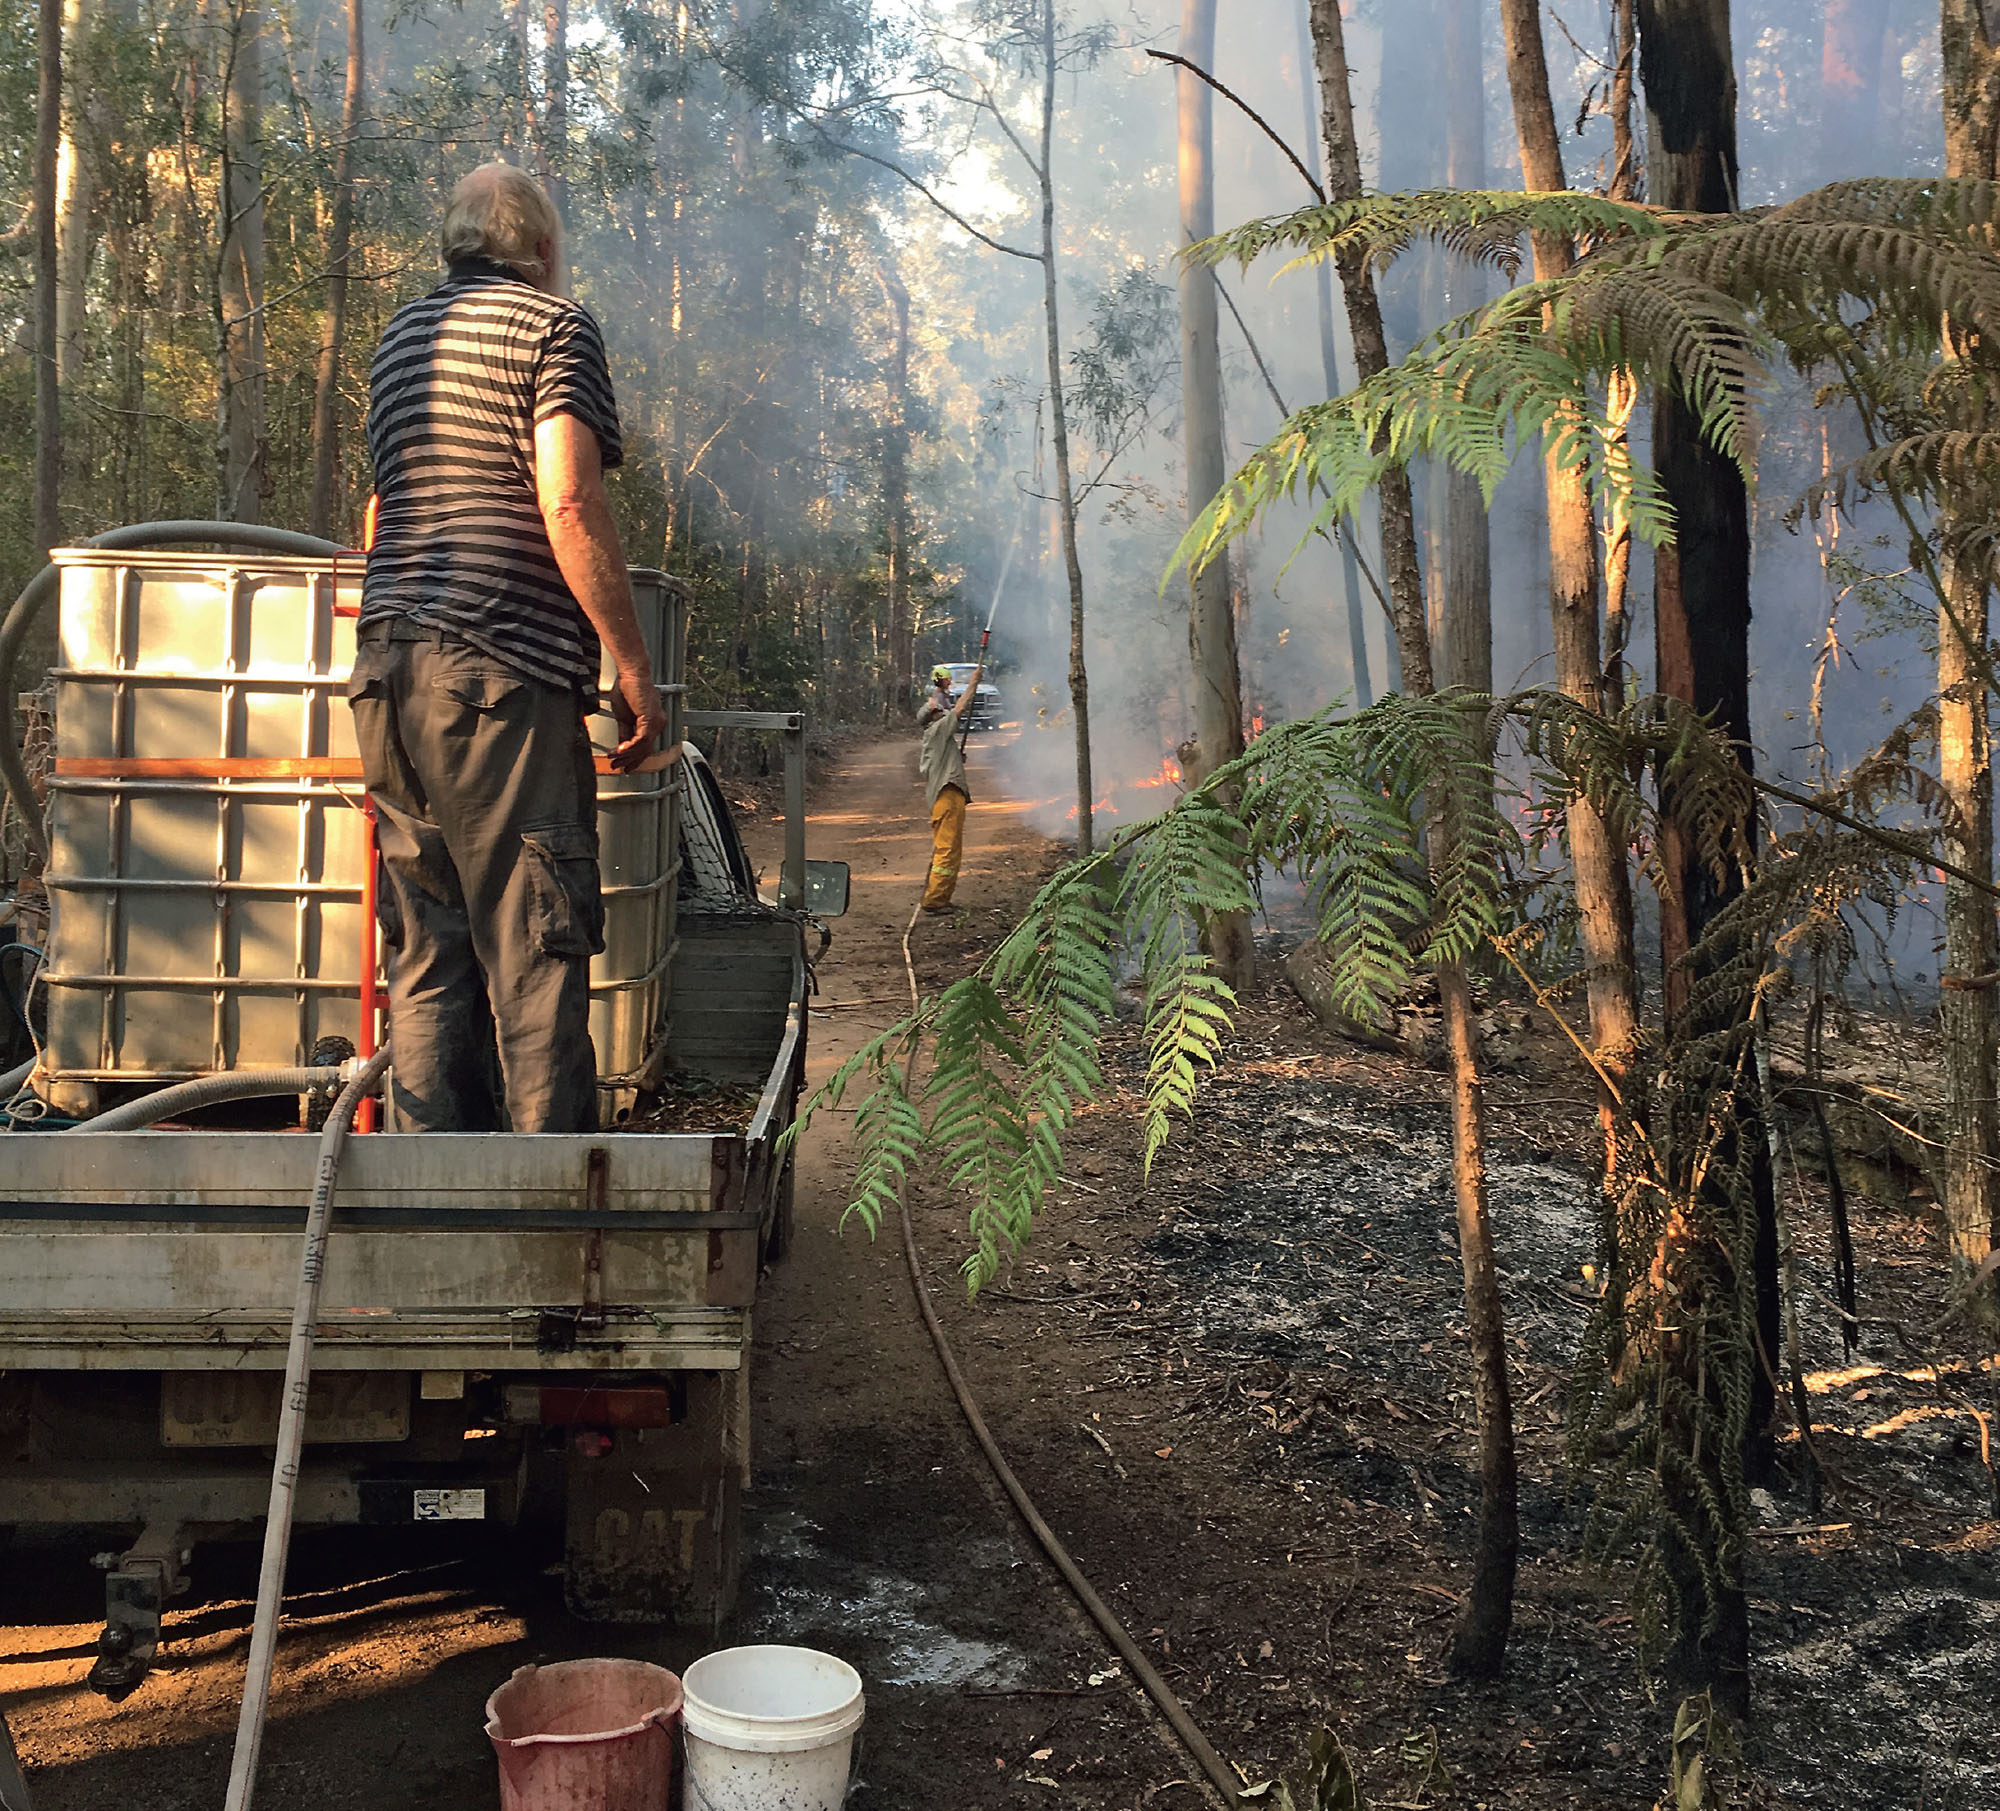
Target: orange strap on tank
{"x": 263, "y": 767}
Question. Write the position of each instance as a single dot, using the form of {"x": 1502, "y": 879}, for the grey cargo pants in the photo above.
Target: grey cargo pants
{"x": 486, "y": 818}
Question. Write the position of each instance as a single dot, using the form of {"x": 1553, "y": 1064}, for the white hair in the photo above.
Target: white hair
{"x": 500, "y": 213}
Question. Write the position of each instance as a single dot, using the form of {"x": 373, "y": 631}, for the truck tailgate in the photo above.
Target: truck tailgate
{"x": 180, "y": 1250}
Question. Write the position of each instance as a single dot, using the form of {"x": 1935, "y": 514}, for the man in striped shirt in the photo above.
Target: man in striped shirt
{"x": 494, "y": 571}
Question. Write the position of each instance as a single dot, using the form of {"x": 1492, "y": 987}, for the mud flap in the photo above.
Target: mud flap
{"x": 653, "y": 1526}
{"x": 13, "y": 1787}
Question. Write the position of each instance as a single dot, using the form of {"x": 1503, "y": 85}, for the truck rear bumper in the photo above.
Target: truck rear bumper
{"x": 222, "y": 1493}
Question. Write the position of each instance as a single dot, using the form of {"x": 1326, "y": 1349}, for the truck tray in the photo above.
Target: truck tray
{"x": 449, "y": 1252}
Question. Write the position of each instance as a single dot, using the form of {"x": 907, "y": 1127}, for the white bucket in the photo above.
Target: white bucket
{"x": 769, "y": 1727}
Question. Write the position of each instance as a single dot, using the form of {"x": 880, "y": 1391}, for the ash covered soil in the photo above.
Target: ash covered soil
{"x": 1238, "y": 1390}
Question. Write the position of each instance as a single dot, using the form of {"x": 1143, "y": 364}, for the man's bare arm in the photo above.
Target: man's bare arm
{"x": 971, "y": 691}
{"x": 569, "y": 486}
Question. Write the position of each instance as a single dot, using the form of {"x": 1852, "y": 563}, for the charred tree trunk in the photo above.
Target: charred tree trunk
{"x": 1329, "y": 358}
{"x": 1079, "y": 675}
{"x": 1402, "y": 571}
{"x": 1603, "y": 881}
{"x": 1969, "y": 1016}
{"x": 1479, "y": 1643}
{"x": 239, "y": 301}
{"x": 1218, "y": 685}
{"x": 333, "y": 333}
{"x": 1702, "y": 654}
{"x": 48, "y": 417}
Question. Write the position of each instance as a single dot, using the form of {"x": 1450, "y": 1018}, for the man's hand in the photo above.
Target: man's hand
{"x": 569, "y": 485}
{"x": 642, "y": 719}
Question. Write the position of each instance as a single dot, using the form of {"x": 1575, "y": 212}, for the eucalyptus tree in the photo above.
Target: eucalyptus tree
{"x": 242, "y": 330}
{"x": 1603, "y": 882}
{"x": 48, "y": 414}
{"x": 1218, "y": 682}
{"x": 1968, "y": 1015}
{"x": 1479, "y": 1641}
{"x": 339, "y": 251}
{"x": 1035, "y": 44}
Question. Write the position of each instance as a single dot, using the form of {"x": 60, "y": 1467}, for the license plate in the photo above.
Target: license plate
{"x": 448, "y": 1505}
{"x": 240, "y": 1408}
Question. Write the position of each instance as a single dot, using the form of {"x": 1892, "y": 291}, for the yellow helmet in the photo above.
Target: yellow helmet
{"x": 940, "y": 675}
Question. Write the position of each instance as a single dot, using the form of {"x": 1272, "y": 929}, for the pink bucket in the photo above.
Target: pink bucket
{"x": 585, "y": 1735}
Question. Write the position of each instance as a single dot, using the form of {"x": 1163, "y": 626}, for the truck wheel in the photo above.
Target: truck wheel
{"x": 784, "y": 1216}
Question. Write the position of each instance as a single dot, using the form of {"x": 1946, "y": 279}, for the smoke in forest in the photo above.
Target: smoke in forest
{"x": 835, "y": 392}
{"x": 1827, "y": 671}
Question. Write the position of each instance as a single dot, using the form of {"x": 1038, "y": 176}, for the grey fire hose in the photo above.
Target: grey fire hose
{"x": 291, "y": 1438}
{"x": 42, "y": 587}
{"x": 212, "y": 1090}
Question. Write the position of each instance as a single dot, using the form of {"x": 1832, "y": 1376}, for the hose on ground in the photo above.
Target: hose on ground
{"x": 291, "y": 1439}
{"x": 1162, "y": 1694}
{"x": 209, "y": 1091}
{"x": 36, "y": 594}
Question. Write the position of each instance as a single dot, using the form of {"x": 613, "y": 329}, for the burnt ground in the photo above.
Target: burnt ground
{"x": 1237, "y": 1388}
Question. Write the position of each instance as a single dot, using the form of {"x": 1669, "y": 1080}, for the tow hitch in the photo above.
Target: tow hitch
{"x": 138, "y": 1585}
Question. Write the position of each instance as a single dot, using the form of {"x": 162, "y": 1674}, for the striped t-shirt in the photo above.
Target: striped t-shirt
{"x": 459, "y": 382}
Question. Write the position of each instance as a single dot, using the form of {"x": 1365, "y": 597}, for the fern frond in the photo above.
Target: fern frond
{"x": 1480, "y": 226}
{"x": 889, "y": 1130}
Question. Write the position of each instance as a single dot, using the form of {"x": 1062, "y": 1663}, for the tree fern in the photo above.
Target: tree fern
{"x": 1703, "y": 306}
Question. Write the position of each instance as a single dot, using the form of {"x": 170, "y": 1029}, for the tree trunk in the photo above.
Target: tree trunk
{"x": 1371, "y": 350}
{"x": 1329, "y": 358}
{"x": 48, "y": 417}
{"x": 73, "y": 202}
{"x": 1218, "y": 685}
{"x": 1479, "y": 1642}
{"x": 1971, "y": 89}
{"x": 1702, "y": 655}
{"x": 1603, "y": 881}
{"x": 1468, "y": 582}
{"x": 1965, "y": 1003}
{"x": 1969, "y": 1017}
{"x": 526, "y": 121}
{"x": 1079, "y": 676}
{"x": 1626, "y": 172}
{"x": 896, "y": 502}
{"x": 333, "y": 333}
{"x": 555, "y": 125}
{"x": 240, "y": 451}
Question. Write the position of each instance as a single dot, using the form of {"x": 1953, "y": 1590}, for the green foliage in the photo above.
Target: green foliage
{"x": 1346, "y": 803}
{"x": 1702, "y": 1760}
{"x": 1857, "y": 278}
{"x": 1328, "y": 1782}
